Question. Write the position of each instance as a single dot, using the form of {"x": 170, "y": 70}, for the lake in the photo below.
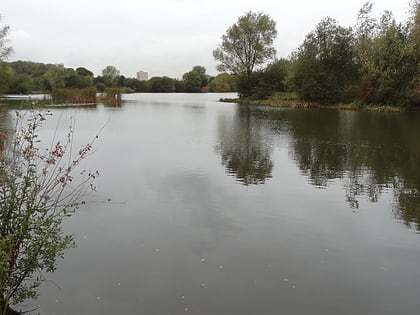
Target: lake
{"x": 231, "y": 209}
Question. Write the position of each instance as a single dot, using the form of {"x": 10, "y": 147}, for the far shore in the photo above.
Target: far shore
{"x": 289, "y": 100}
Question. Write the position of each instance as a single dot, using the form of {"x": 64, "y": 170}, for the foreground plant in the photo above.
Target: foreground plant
{"x": 38, "y": 190}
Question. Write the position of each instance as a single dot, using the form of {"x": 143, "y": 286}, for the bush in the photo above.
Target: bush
{"x": 38, "y": 190}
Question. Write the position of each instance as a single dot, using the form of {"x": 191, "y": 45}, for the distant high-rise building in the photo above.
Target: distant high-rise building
{"x": 142, "y": 76}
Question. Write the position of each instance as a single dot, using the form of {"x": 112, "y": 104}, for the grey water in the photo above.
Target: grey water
{"x": 229, "y": 209}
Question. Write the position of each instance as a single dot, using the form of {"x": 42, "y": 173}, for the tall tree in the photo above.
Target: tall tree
{"x": 110, "y": 74}
{"x": 5, "y": 52}
{"x": 325, "y": 67}
{"x": 56, "y": 76}
{"x": 246, "y": 45}
{"x": 388, "y": 57}
{"x": 195, "y": 79}
{"x": 5, "y": 49}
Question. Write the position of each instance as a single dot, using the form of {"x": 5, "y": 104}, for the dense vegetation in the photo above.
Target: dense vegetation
{"x": 20, "y": 77}
{"x": 374, "y": 62}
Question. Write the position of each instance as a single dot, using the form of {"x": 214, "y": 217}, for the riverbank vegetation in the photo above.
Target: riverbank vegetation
{"x": 374, "y": 64}
{"x": 40, "y": 187}
{"x": 21, "y": 77}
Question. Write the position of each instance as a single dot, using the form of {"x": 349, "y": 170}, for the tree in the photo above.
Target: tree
{"x": 5, "y": 49}
{"x": 6, "y": 73}
{"x": 223, "y": 82}
{"x": 192, "y": 81}
{"x": 202, "y": 72}
{"x": 56, "y": 76}
{"x": 5, "y": 52}
{"x": 39, "y": 189}
{"x": 388, "y": 57}
{"x": 85, "y": 72}
{"x": 110, "y": 75}
{"x": 325, "y": 68}
{"x": 274, "y": 75}
{"x": 162, "y": 85}
{"x": 247, "y": 45}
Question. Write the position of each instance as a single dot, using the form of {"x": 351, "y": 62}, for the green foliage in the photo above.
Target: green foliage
{"x": 20, "y": 84}
{"x": 75, "y": 80}
{"x": 29, "y": 67}
{"x": 247, "y": 45}
{"x": 388, "y": 55}
{"x": 192, "y": 81}
{"x": 324, "y": 67}
{"x": 56, "y": 76}
{"x": 275, "y": 75}
{"x": 100, "y": 87}
{"x": 5, "y": 75}
{"x": 38, "y": 191}
{"x": 223, "y": 82}
{"x": 84, "y": 72}
{"x": 110, "y": 75}
{"x": 179, "y": 86}
{"x": 162, "y": 85}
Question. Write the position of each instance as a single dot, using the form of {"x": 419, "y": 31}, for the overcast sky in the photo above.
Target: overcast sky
{"x": 162, "y": 37}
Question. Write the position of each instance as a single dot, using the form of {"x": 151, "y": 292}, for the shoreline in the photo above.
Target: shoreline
{"x": 287, "y": 101}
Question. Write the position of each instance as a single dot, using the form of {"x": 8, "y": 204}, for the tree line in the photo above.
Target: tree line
{"x": 20, "y": 77}
{"x": 374, "y": 62}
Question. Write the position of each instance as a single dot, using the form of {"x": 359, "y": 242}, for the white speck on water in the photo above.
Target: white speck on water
{"x": 157, "y": 249}
{"x": 119, "y": 283}
{"x": 220, "y": 267}
{"x": 202, "y": 259}
{"x": 285, "y": 279}
{"x": 326, "y": 249}
{"x": 204, "y": 285}
{"x": 98, "y": 298}
{"x": 294, "y": 287}
{"x": 186, "y": 309}
{"x": 183, "y": 297}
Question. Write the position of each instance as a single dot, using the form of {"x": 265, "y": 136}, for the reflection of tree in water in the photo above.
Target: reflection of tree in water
{"x": 371, "y": 152}
{"x": 245, "y": 148}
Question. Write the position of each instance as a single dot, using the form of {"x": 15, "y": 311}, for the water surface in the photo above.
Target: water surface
{"x": 229, "y": 209}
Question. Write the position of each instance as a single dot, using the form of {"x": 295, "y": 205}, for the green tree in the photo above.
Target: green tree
{"x": 325, "y": 68}
{"x": 223, "y": 82}
{"x": 75, "y": 80}
{"x": 162, "y": 85}
{"x": 20, "y": 83}
{"x": 192, "y": 81}
{"x": 247, "y": 45}
{"x": 5, "y": 52}
{"x": 388, "y": 57}
{"x": 274, "y": 75}
{"x": 56, "y": 76}
{"x": 202, "y": 72}
{"x": 6, "y": 73}
{"x": 196, "y": 79}
{"x": 179, "y": 86}
{"x": 85, "y": 72}
{"x": 110, "y": 75}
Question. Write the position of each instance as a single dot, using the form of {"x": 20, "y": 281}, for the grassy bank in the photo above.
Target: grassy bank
{"x": 291, "y": 100}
